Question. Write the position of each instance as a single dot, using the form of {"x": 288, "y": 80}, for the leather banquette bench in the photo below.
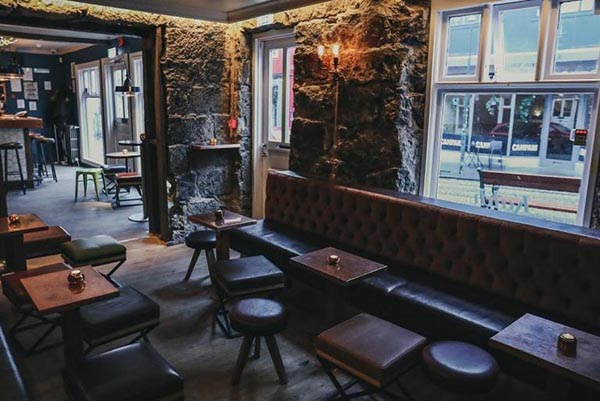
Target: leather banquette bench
{"x": 11, "y": 384}
{"x": 454, "y": 271}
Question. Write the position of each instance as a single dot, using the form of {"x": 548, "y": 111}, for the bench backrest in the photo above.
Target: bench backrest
{"x": 550, "y": 270}
{"x": 535, "y": 181}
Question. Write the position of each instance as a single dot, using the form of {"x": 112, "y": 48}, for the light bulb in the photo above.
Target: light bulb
{"x": 321, "y": 51}
{"x": 335, "y": 49}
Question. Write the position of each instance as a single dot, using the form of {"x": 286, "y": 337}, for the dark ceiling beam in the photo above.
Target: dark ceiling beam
{"x": 54, "y": 38}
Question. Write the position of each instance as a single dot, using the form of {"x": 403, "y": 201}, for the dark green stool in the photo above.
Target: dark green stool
{"x": 86, "y": 173}
{"x": 94, "y": 251}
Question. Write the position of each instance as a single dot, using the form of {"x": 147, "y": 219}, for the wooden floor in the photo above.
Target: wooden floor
{"x": 204, "y": 357}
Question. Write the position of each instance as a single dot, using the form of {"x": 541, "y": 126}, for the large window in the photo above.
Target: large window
{"x": 513, "y": 106}
{"x": 90, "y": 113}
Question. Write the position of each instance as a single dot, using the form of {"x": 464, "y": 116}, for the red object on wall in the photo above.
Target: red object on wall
{"x": 232, "y": 123}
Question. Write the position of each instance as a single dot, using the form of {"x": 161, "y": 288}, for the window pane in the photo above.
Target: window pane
{"x": 515, "y": 44}
{"x": 275, "y": 94}
{"x": 578, "y": 38}
{"x": 518, "y": 135}
{"x": 462, "y": 47}
{"x": 290, "y": 95}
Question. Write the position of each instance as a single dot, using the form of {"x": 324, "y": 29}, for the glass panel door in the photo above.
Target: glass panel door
{"x": 90, "y": 113}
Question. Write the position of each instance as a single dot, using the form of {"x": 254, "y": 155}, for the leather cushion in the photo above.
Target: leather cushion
{"x": 136, "y": 372}
{"x": 245, "y": 274}
{"x": 460, "y": 365}
{"x": 258, "y": 316}
{"x": 14, "y": 290}
{"x": 439, "y": 312}
{"x": 12, "y": 386}
{"x": 112, "y": 169}
{"x": 204, "y": 239}
{"x": 10, "y": 145}
{"x": 374, "y": 347}
{"x": 89, "y": 249}
{"x": 131, "y": 308}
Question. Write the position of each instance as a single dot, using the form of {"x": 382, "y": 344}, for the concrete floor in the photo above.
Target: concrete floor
{"x": 205, "y": 358}
{"x": 54, "y": 203}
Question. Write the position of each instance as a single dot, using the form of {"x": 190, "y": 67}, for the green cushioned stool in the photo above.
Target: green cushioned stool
{"x": 94, "y": 251}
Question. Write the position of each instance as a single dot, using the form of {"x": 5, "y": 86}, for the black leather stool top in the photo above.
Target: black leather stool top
{"x": 135, "y": 372}
{"x": 246, "y": 274}
{"x": 11, "y": 145}
{"x": 205, "y": 239}
{"x": 461, "y": 366}
{"x": 258, "y": 317}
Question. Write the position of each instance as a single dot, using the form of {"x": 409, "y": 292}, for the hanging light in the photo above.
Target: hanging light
{"x": 128, "y": 89}
{"x": 6, "y": 41}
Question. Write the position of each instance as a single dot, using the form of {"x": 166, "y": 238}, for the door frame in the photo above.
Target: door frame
{"x": 258, "y": 165}
{"x": 76, "y": 70}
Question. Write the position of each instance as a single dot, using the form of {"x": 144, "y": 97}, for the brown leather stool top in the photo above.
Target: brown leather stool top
{"x": 461, "y": 366}
{"x": 372, "y": 349}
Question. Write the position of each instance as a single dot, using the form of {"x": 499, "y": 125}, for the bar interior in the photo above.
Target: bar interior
{"x": 299, "y": 200}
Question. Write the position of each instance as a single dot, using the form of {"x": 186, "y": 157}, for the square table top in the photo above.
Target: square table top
{"x": 350, "y": 269}
{"x": 27, "y": 223}
{"x": 534, "y": 339}
{"x": 50, "y": 293}
{"x": 230, "y": 220}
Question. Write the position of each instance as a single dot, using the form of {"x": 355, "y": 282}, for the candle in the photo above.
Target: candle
{"x": 333, "y": 259}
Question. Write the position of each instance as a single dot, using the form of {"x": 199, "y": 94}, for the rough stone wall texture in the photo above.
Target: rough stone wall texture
{"x": 383, "y": 66}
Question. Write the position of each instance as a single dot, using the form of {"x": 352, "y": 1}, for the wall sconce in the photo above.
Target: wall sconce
{"x": 335, "y": 51}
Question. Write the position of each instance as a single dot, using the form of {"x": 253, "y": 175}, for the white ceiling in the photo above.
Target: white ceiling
{"x": 44, "y": 46}
{"x": 212, "y": 10}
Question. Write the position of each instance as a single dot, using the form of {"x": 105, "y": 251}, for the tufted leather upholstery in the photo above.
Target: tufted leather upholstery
{"x": 543, "y": 269}
{"x": 11, "y": 384}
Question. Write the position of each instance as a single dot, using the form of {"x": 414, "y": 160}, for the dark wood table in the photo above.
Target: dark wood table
{"x": 534, "y": 340}
{"x": 350, "y": 270}
{"x": 230, "y": 221}
{"x": 51, "y": 293}
{"x": 11, "y": 236}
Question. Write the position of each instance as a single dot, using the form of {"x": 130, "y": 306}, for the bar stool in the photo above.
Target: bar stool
{"x": 86, "y": 173}
{"x": 16, "y": 146}
{"x": 42, "y": 142}
{"x": 199, "y": 241}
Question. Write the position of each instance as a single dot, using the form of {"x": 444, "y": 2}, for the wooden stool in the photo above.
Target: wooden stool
{"x": 256, "y": 318}
{"x": 95, "y": 174}
{"x": 16, "y": 146}
{"x": 206, "y": 241}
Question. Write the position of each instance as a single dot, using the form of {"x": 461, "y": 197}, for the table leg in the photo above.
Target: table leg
{"x": 15, "y": 253}
{"x": 127, "y": 164}
{"x": 73, "y": 340}
{"x": 222, "y": 245}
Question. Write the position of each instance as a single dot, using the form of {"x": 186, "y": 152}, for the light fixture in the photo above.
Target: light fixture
{"x": 6, "y": 41}
{"x": 335, "y": 51}
{"x": 128, "y": 89}
{"x": 321, "y": 51}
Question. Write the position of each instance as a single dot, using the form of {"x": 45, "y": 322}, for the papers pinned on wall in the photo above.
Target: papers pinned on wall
{"x": 27, "y": 74}
{"x": 20, "y": 103}
{"x": 15, "y": 85}
{"x": 32, "y": 106}
{"x": 31, "y": 90}
{"x": 47, "y": 85}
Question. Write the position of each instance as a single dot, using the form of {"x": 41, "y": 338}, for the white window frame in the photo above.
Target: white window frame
{"x": 80, "y": 69}
{"x": 438, "y": 85}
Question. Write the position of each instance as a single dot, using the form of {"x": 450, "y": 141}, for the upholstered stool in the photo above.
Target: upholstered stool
{"x": 461, "y": 367}
{"x": 127, "y": 181}
{"x": 372, "y": 350}
{"x": 88, "y": 173}
{"x": 45, "y": 242}
{"x": 242, "y": 277}
{"x": 16, "y": 146}
{"x": 134, "y": 372}
{"x": 130, "y": 313}
{"x": 94, "y": 251}
{"x": 110, "y": 170}
{"x": 199, "y": 241}
{"x": 255, "y": 318}
{"x": 18, "y": 297}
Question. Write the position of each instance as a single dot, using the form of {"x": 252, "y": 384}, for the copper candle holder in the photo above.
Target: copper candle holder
{"x": 14, "y": 219}
{"x": 219, "y": 215}
{"x": 76, "y": 277}
{"x": 567, "y": 344}
{"x": 333, "y": 260}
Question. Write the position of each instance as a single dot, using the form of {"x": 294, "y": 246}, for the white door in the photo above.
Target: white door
{"x": 558, "y": 149}
{"x": 89, "y": 99}
{"x": 118, "y": 106}
{"x": 274, "y": 109}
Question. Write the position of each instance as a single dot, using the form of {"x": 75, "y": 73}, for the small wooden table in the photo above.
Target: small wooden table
{"x": 124, "y": 155}
{"x": 230, "y": 221}
{"x": 50, "y": 293}
{"x": 11, "y": 236}
{"x": 350, "y": 270}
{"x": 534, "y": 340}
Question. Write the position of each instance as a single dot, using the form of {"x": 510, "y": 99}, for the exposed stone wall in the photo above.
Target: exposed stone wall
{"x": 383, "y": 67}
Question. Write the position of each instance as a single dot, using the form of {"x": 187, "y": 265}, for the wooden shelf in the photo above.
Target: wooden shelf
{"x": 220, "y": 146}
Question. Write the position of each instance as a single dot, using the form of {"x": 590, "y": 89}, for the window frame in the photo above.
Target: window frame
{"x": 438, "y": 85}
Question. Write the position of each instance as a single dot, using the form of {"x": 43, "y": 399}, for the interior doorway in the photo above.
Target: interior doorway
{"x": 273, "y": 108}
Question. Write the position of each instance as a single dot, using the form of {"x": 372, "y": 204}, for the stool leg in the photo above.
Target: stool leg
{"x": 95, "y": 176}
{"x": 242, "y": 358}
{"x": 276, "y": 357}
{"x": 5, "y": 166}
{"x": 76, "y": 185}
{"x": 85, "y": 180}
{"x": 256, "y": 354}
{"x": 104, "y": 184}
{"x": 192, "y": 264}
{"x": 20, "y": 171}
